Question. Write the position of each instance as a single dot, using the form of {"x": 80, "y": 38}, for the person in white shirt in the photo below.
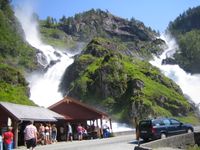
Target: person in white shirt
{"x": 30, "y": 135}
{"x": 69, "y": 132}
{"x": 106, "y": 132}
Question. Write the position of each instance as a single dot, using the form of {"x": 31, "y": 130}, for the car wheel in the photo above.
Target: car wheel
{"x": 189, "y": 131}
{"x": 163, "y": 136}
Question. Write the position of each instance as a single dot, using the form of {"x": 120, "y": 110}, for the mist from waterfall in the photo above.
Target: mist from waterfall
{"x": 43, "y": 85}
{"x": 190, "y": 84}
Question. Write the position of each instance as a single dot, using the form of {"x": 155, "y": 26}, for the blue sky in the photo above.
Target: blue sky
{"x": 154, "y": 13}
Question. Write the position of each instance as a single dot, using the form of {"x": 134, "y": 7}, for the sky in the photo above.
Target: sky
{"x": 153, "y": 13}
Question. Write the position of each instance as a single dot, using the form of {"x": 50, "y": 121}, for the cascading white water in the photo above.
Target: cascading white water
{"x": 43, "y": 86}
{"x": 190, "y": 84}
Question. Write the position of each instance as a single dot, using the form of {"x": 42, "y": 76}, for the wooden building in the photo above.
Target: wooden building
{"x": 66, "y": 110}
{"x": 78, "y": 112}
{"x": 17, "y": 116}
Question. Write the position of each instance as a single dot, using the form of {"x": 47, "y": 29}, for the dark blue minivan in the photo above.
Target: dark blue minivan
{"x": 152, "y": 129}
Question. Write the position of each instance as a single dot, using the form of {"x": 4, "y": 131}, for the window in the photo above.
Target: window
{"x": 156, "y": 122}
{"x": 166, "y": 122}
{"x": 174, "y": 122}
{"x": 145, "y": 124}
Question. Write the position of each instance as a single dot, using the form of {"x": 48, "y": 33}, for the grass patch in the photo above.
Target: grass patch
{"x": 191, "y": 118}
{"x": 14, "y": 94}
{"x": 57, "y": 38}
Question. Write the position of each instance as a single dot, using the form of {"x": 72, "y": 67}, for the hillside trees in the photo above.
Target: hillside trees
{"x": 186, "y": 21}
{"x": 186, "y": 29}
{"x": 50, "y": 22}
{"x": 189, "y": 56}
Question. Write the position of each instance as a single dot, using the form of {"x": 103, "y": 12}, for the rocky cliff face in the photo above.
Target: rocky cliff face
{"x": 97, "y": 22}
{"x": 140, "y": 40}
{"x": 105, "y": 77}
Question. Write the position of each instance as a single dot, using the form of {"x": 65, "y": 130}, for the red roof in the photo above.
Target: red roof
{"x": 73, "y": 109}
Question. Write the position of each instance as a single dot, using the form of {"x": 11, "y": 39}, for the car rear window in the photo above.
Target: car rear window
{"x": 145, "y": 123}
{"x": 156, "y": 122}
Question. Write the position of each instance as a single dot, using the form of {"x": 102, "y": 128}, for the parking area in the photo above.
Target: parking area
{"x": 123, "y": 142}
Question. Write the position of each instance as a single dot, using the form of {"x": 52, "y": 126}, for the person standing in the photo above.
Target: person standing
{"x": 41, "y": 134}
{"x": 69, "y": 132}
{"x": 54, "y": 133}
{"x": 80, "y": 132}
{"x": 8, "y": 138}
{"x": 30, "y": 134}
{"x": 106, "y": 132}
{"x": 41, "y": 130}
{"x": 47, "y": 134}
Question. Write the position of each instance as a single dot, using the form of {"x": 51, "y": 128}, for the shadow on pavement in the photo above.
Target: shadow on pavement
{"x": 137, "y": 142}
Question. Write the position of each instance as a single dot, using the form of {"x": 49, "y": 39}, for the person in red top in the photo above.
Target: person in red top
{"x": 8, "y": 138}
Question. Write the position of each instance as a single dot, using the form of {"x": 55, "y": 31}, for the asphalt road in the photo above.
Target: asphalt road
{"x": 123, "y": 142}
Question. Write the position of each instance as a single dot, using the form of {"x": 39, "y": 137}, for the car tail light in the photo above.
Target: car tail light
{"x": 153, "y": 129}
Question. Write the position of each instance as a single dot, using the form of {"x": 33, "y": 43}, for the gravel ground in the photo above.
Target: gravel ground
{"x": 125, "y": 142}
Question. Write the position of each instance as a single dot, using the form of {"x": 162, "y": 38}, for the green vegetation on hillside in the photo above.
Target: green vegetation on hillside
{"x": 186, "y": 21}
{"x": 104, "y": 77}
{"x": 55, "y": 37}
{"x": 191, "y": 118}
{"x": 13, "y": 50}
{"x": 189, "y": 55}
{"x": 13, "y": 87}
{"x": 108, "y": 74}
{"x": 15, "y": 55}
{"x": 186, "y": 29}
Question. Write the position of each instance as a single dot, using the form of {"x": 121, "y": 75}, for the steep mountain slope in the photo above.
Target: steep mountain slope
{"x": 110, "y": 73}
{"x": 186, "y": 29}
{"x": 87, "y": 25}
{"x": 122, "y": 85}
{"x": 16, "y": 56}
{"x": 139, "y": 39}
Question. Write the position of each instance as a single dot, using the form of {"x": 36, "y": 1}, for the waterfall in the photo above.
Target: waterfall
{"x": 190, "y": 84}
{"x": 43, "y": 85}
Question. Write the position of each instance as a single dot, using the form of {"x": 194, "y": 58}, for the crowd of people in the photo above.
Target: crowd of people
{"x": 79, "y": 132}
{"x": 48, "y": 134}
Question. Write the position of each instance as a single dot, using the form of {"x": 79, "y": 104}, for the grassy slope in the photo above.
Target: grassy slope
{"x": 16, "y": 56}
{"x": 108, "y": 68}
